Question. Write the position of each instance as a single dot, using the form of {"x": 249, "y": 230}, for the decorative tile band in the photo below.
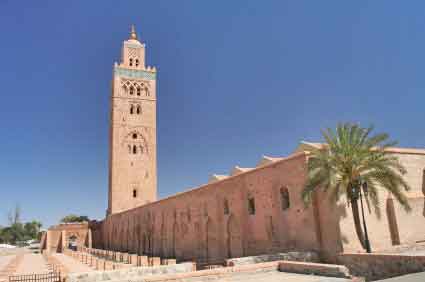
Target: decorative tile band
{"x": 135, "y": 73}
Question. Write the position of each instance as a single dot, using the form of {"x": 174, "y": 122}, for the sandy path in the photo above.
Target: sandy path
{"x": 4, "y": 260}
{"x": 71, "y": 264}
{"x": 32, "y": 263}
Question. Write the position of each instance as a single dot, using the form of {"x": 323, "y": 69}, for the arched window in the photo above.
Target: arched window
{"x": 226, "y": 207}
{"x": 131, "y": 109}
{"x": 134, "y": 135}
{"x": 189, "y": 216}
{"x": 134, "y": 149}
{"x": 251, "y": 205}
{"x": 129, "y": 149}
{"x": 147, "y": 92}
{"x": 131, "y": 62}
{"x": 137, "y": 62}
{"x": 141, "y": 149}
{"x": 138, "y": 91}
{"x": 138, "y": 109}
{"x": 131, "y": 90}
{"x": 284, "y": 198}
{"x": 134, "y": 193}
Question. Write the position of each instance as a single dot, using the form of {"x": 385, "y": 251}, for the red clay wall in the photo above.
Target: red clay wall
{"x": 394, "y": 227}
{"x": 193, "y": 224}
{"x": 57, "y": 237}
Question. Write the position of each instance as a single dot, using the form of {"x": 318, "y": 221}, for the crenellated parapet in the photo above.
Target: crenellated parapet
{"x": 236, "y": 170}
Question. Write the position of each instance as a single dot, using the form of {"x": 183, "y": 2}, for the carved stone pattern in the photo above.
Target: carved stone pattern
{"x": 133, "y": 52}
{"x": 127, "y": 83}
{"x": 140, "y": 141}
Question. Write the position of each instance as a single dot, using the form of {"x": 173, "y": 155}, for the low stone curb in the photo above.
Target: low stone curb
{"x": 288, "y": 256}
{"x": 376, "y": 266}
{"x": 330, "y": 270}
{"x": 130, "y": 274}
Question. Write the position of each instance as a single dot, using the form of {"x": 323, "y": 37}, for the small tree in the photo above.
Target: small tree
{"x": 32, "y": 229}
{"x": 18, "y": 231}
{"x": 5, "y": 235}
{"x": 74, "y": 218}
{"x": 13, "y": 233}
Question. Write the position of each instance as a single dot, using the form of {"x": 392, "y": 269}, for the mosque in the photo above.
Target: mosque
{"x": 250, "y": 211}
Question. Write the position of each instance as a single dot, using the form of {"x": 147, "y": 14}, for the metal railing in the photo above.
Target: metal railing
{"x": 53, "y": 276}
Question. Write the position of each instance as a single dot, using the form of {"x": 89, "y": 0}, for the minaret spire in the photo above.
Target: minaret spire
{"x": 133, "y": 34}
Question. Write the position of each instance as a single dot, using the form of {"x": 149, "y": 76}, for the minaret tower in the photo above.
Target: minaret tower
{"x": 132, "y": 160}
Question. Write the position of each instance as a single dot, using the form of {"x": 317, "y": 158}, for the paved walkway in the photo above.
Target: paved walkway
{"x": 416, "y": 277}
{"x": 267, "y": 276}
{"x": 32, "y": 263}
{"x": 71, "y": 264}
{"x": 412, "y": 253}
{"x": 4, "y": 261}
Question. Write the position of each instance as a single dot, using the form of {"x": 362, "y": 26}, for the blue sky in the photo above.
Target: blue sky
{"x": 237, "y": 79}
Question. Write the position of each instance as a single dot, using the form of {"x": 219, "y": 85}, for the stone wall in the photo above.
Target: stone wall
{"x": 381, "y": 266}
{"x": 195, "y": 225}
{"x": 216, "y": 221}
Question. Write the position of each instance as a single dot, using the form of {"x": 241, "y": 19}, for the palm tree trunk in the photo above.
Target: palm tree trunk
{"x": 357, "y": 223}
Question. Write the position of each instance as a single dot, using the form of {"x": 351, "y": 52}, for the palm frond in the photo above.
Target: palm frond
{"x": 352, "y": 154}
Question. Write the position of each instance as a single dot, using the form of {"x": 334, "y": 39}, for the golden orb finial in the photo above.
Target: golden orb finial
{"x": 133, "y": 34}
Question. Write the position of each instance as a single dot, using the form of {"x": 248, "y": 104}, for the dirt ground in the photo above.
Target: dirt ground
{"x": 9, "y": 252}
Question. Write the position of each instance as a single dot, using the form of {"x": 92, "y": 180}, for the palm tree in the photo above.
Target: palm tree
{"x": 350, "y": 157}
